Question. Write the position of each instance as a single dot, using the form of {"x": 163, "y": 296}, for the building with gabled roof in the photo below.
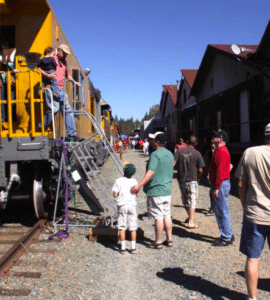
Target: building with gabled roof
{"x": 168, "y": 109}
{"x": 186, "y": 104}
{"x": 214, "y": 56}
{"x": 230, "y": 89}
{"x": 153, "y": 125}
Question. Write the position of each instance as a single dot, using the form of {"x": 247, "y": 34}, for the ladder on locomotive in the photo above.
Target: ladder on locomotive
{"x": 83, "y": 160}
{"x": 81, "y": 154}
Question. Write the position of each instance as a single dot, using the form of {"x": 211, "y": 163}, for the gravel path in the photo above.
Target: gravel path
{"x": 192, "y": 269}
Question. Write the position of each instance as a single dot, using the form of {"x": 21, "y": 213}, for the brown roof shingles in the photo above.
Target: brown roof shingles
{"x": 190, "y": 75}
{"x": 172, "y": 90}
{"x": 244, "y": 53}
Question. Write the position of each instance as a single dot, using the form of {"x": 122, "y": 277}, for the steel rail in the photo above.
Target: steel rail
{"x": 20, "y": 247}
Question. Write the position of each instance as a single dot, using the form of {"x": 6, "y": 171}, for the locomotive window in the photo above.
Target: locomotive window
{"x": 78, "y": 98}
{"x": 7, "y": 34}
{"x": 75, "y": 76}
{"x": 82, "y": 95}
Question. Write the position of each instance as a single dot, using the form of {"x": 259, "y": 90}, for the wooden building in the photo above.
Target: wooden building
{"x": 168, "y": 111}
{"x": 225, "y": 89}
{"x": 186, "y": 105}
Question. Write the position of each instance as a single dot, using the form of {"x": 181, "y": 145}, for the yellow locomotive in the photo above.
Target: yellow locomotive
{"x": 30, "y": 157}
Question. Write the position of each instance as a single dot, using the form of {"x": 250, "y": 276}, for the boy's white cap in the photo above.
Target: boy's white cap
{"x": 153, "y": 136}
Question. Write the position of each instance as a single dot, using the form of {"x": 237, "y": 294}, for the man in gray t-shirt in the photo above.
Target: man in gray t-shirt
{"x": 253, "y": 173}
{"x": 190, "y": 164}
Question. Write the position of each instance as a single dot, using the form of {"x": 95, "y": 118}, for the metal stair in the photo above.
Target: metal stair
{"x": 81, "y": 158}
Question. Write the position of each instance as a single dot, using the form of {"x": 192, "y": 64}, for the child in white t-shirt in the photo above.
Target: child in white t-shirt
{"x": 126, "y": 204}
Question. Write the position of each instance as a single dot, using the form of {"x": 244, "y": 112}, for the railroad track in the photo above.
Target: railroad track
{"x": 8, "y": 236}
{"x": 15, "y": 240}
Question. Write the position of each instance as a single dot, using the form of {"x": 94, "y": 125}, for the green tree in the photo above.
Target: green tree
{"x": 127, "y": 126}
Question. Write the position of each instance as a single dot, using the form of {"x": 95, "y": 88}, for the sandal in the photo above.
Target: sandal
{"x": 168, "y": 243}
{"x": 154, "y": 245}
{"x": 192, "y": 226}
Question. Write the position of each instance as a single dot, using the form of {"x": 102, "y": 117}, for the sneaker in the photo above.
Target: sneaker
{"x": 210, "y": 212}
{"x": 220, "y": 243}
{"x": 122, "y": 251}
{"x": 75, "y": 138}
{"x": 133, "y": 251}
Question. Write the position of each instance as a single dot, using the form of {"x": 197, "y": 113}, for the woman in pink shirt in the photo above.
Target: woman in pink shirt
{"x": 180, "y": 145}
{"x": 63, "y": 105}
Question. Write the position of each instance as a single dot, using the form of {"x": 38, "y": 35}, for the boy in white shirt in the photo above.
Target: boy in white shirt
{"x": 126, "y": 204}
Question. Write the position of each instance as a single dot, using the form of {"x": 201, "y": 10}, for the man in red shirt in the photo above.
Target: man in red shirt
{"x": 219, "y": 177}
{"x": 63, "y": 105}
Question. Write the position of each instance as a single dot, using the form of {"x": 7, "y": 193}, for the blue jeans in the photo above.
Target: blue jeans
{"x": 3, "y": 106}
{"x": 4, "y": 115}
{"x": 60, "y": 105}
{"x": 53, "y": 84}
{"x": 221, "y": 209}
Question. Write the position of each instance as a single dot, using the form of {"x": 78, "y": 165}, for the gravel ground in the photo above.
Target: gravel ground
{"x": 192, "y": 269}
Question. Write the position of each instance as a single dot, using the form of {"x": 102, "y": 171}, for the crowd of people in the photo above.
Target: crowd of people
{"x": 122, "y": 144}
{"x": 253, "y": 173}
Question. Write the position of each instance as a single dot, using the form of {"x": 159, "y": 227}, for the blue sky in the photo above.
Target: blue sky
{"x": 133, "y": 47}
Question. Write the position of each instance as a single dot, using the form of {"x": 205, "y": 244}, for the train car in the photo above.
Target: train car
{"x": 30, "y": 154}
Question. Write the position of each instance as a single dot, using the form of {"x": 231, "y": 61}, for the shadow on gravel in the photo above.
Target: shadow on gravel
{"x": 109, "y": 245}
{"x": 141, "y": 216}
{"x": 198, "y": 210}
{"x": 87, "y": 212}
{"x": 181, "y": 232}
{"x": 263, "y": 284}
{"x": 198, "y": 284}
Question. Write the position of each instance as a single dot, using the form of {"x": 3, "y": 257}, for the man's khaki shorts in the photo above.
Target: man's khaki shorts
{"x": 159, "y": 207}
{"x": 189, "y": 192}
{"x": 127, "y": 215}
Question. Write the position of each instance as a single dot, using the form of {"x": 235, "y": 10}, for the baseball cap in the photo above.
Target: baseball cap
{"x": 161, "y": 138}
{"x": 65, "y": 48}
{"x": 130, "y": 170}
{"x": 267, "y": 129}
{"x": 153, "y": 135}
{"x": 221, "y": 134}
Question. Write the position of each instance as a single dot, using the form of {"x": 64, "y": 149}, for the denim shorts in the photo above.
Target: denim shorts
{"x": 253, "y": 238}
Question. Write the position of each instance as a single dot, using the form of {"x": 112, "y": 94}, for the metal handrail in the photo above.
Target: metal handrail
{"x": 64, "y": 109}
{"x": 107, "y": 144}
{"x": 52, "y": 109}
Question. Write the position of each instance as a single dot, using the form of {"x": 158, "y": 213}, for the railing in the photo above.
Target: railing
{"x": 26, "y": 99}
